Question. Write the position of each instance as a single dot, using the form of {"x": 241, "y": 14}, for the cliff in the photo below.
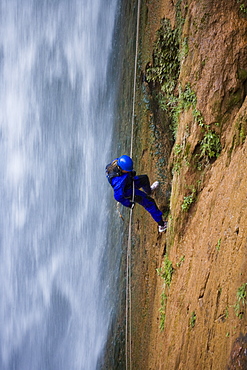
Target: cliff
{"x": 189, "y": 285}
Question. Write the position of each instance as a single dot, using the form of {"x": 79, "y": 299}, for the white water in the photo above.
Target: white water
{"x": 56, "y": 118}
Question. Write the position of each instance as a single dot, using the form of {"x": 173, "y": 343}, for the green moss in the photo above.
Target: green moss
{"x": 181, "y": 261}
{"x": 242, "y": 7}
{"x": 192, "y": 321}
{"x": 162, "y": 310}
{"x": 165, "y": 272}
{"x": 241, "y": 130}
{"x": 165, "y": 66}
{"x": 184, "y": 49}
{"x": 198, "y": 117}
{"x": 241, "y": 300}
{"x": 188, "y": 200}
{"x": 205, "y": 19}
{"x": 242, "y": 74}
{"x": 235, "y": 98}
{"x": 186, "y": 99}
{"x": 180, "y": 10}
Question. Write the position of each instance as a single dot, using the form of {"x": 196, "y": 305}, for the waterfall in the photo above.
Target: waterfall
{"x": 56, "y": 124}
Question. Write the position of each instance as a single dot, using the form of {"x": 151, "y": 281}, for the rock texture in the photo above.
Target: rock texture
{"x": 205, "y": 320}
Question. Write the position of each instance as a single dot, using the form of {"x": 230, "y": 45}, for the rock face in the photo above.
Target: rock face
{"x": 204, "y": 315}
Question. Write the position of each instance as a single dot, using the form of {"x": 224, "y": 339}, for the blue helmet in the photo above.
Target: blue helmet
{"x": 125, "y": 163}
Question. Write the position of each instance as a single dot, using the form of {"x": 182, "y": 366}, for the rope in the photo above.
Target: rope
{"x": 128, "y": 327}
{"x": 134, "y": 87}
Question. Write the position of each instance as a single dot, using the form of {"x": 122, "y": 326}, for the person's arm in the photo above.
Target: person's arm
{"x": 119, "y": 191}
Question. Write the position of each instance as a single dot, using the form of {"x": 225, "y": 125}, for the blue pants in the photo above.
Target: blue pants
{"x": 143, "y": 198}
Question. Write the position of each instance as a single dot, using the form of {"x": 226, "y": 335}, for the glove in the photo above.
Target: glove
{"x": 132, "y": 205}
{"x": 133, "y": 174}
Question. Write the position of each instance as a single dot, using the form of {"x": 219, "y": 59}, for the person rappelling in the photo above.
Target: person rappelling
{"x": 125, "y": 184}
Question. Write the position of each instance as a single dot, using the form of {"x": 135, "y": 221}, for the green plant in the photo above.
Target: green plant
{"x": 180, "y": 15}
{"x": 184, "y": 49}
{"x": 187, "y": 97}
{"x": 181, "y": 260}
{"x": 192, "y": 319}
{"x": 210, "y": 145}
{"x": 165, "y": 68}
{"x": 241, "y": 129}
{"x": 218, "y": 244}
{"x": 188, "y": 200}
{"x": 178, "y": 149}
{"x": 242, "y": 7}
{"x": 166, "y": 271}
{"x": 227, "y": 312}
{"x": 162, "y": 310}
{"x": 198, "y": 117}
{"x": 241, "y": 301}
{"x": 178, "y": 156}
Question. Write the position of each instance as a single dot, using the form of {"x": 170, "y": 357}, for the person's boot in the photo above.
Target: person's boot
{"x": 154, "y": 186}
{"x": 163, "y": 228}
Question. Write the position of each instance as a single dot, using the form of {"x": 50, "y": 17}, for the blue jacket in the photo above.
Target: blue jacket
{"x": 122, "y": 188}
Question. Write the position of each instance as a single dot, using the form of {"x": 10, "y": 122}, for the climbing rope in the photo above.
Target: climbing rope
{"x": 128, "y": 327}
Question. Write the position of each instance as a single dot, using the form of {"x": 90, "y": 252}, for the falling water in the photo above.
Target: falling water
{"x": 56, "y": 122}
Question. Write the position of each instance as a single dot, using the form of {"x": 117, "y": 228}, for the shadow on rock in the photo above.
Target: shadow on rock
{"x": 238, "y": 357}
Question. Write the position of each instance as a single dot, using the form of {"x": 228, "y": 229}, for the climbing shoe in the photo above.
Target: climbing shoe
{"x": 163, "y": 228}
{"x": 154, "y": 186}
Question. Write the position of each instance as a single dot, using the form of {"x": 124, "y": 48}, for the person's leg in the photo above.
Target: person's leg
{"x": 149, "y": 204}
{"x": 143, "y": 182}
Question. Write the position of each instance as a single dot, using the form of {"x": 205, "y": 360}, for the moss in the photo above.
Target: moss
{"x": 205, "y": 19}
{"x": 242, "y": 7}
{"x": 242, "y": 74}
{"x": 166, "y": 271}
{"x": 184, "y": 49}
{"x": 188, "y": 200}
{"x": 235, "y": 99}
{"x": 187, "y": 151}
{"x": 240, "y": 130}
{"x": 165, "y": 66}
{"x": 192, "y": 320}
{"x": 181, "y": 9}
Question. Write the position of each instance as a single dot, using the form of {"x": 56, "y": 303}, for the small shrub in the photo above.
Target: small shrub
{"x": 241, "y": 300}
{"x": 187, "y": 97}
{"x": 242, "y": 7}
{"x": 178, "y": 149}
{"x": 184, "y": 49}
{"x": 166, "y": 271}
{"x": 198, "y": 117}
{"x": 218, "y": 245}
{"x": 188, "y": 200}
{"x": 162, "y": 311}
{"x": 227, "y": 312}
{"x": 193, "y": 320}
{"x": 210, "y": 145}
{"x": 165, "y": 68}
{"x": 181, "y": 260}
